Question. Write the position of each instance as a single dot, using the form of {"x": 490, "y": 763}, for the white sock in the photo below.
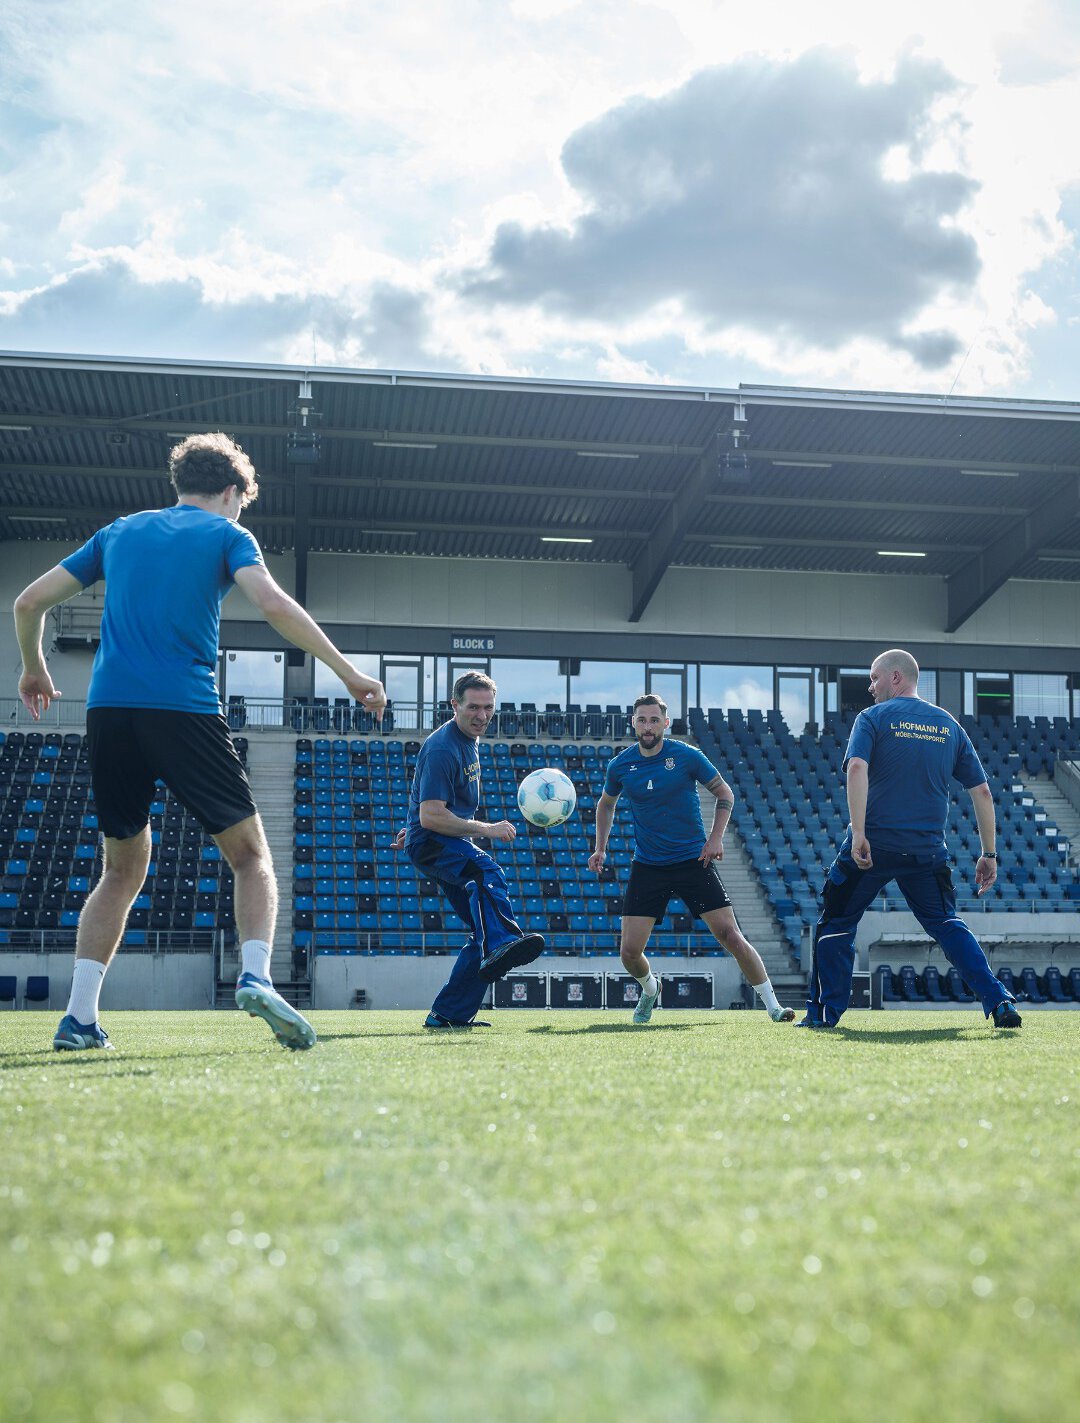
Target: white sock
{"x": 648, "y": 983}
{"x": 765, "y": 992}
{"x": 85, "y": 990}
{"x": 255, "y": 958}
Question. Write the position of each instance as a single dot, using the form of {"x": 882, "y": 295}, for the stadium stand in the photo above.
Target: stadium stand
{"x": 50, "y": 853}
{"x": 352, "y": 893}
{"x": 791, "y": 808}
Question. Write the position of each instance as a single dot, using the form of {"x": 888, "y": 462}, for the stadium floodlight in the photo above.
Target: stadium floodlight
{"x": 803, "y": 464}
{"x": 35, "y": 518}
{"x": 402, "y": 445}
{"x": 562, "y": 539}
{"x": 302, "y": 446}
{"x": 993, "y": 473}
{"x": 899, "y": 553}
{"x": 16, "y": 429}
{"x": 733, "y": 463}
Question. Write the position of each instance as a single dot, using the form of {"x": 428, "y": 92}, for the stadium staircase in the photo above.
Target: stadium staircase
{"x": 1060, "y": 812}
{"x": 270, "y": 771}
{"x": 755, "y": 915}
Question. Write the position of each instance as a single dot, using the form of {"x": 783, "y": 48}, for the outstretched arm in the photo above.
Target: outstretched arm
{"x": 35, "y": 685}
{"x": 286, "y": 616}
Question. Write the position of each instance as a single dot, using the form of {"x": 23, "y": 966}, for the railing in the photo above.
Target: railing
{"x": 172, "y": 941}
{"x": 306, "y": 718}
{"x": 582, "y": 945}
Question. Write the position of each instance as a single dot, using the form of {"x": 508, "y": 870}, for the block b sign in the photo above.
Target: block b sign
{"x": 471, "y": 642}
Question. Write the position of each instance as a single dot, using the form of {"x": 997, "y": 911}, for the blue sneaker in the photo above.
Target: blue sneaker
{"x": 646, "y": 1003}
{"x": 513, "y": 954}
{"x": 1005, "y": 1014}
{"x": 813, "y": 1023}
{"x": 260, "y": 998}
{"x": 436, "y": 1023}
{"x": 73, "y": 1036}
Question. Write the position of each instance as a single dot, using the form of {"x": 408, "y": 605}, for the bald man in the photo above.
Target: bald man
{"x": 901, "y": 756}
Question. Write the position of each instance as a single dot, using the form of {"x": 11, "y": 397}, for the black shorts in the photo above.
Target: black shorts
{"x": 651, "y": 887}
{"x": 192, "y": 752}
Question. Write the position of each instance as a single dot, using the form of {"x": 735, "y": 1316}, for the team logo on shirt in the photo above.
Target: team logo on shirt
{"x": 669, "y": 763}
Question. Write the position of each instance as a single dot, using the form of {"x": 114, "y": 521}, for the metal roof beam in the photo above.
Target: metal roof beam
{"x": 841, "y": 457}
{"x": 135, "y": 425}
{"x": 971, "y": 586}
{"x": 770, "y": 541}
{"x": 654, "y": 559}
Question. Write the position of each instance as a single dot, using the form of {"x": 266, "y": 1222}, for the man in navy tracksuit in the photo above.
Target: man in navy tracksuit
{"x": 443, "y": 804}
{"x": 901, "y": 756}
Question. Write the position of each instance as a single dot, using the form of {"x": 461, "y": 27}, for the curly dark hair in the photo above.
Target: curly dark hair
{"x": 208, "y": 464}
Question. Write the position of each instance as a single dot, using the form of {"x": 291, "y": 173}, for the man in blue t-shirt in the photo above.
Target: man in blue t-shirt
{"x": 443, "y": 805}
{"x": 901, "y": 758}
{"x": 673, "y": 857}
{"x": 153, "y": 710}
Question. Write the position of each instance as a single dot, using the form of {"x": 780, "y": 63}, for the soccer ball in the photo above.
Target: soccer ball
{"x": 546, "y": 797}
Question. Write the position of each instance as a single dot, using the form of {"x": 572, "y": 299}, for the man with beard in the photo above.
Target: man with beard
{"x": 673, "y": 857}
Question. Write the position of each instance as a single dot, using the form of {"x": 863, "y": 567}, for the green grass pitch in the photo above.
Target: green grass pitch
{"x": 560, "y": 1217}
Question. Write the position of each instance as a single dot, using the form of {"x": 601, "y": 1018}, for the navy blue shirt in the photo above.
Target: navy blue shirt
{"x": 166, "y": 572}
{"x": 447, "y": 769}
{"x": 663, "y": 797}
{"x": 914, "y": 751}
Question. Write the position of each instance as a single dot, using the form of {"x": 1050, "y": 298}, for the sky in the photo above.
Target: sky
{"x": 846, "y": 194}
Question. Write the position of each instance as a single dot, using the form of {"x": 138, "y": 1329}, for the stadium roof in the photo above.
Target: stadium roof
{"x": 977, "y": 491}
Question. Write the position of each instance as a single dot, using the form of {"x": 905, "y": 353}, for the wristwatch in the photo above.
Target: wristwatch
{"x": 989, "y": 855}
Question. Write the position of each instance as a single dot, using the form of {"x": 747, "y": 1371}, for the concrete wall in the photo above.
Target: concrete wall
{"x": 135, "y": 980}
{"x": 825, "y": 610}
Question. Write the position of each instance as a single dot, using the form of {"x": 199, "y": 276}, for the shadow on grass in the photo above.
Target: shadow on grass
{"x": 917, "y": 1035}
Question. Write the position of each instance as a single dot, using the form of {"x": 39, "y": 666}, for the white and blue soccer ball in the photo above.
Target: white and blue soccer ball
{"x": 546, "y": 797}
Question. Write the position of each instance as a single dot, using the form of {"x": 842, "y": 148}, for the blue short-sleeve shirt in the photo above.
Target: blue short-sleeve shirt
{"x": 662, "y": 791}
{"x": 166, "y": 572}
{"x": 447, "y": 769}
{"x": 914, "y": 751}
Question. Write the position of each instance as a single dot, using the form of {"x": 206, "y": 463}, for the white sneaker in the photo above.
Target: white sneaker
{"x": 260, "y": 998}
{"x": 646, "y": 1003}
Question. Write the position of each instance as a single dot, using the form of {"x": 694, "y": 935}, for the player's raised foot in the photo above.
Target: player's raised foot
{"x": 646, "y": 1003}
{"x": 1006, "y": 1016}
{"x": 73, "y": 1036}
{"x": 513, "y": 954}
{"x": 260, "y": 998}
{"x": 782, "y": 1015}
{"x": 436, "y": 1023}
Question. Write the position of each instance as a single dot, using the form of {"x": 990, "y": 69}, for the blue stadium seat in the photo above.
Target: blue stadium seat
{"x": 909, "y": 984}
{"x": 888, "y": 992}
{"x": 1030, "y": 982}
{"x": 956, "y": 987}
{"x": 931, "y": 984}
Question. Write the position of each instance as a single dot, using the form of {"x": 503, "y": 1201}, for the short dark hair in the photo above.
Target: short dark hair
{"x": 209, "y": 464}
{"x": 650, "y": 699}
{"x": 472, "y": 679}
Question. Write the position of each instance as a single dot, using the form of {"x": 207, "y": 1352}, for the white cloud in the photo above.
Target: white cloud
{"x": 232, "y": 175}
